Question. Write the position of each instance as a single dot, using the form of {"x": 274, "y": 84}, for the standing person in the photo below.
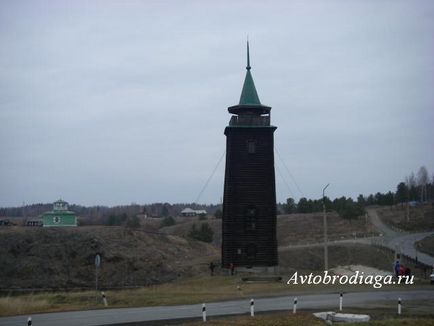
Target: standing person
{"x": 397, "y": 268}
{"x": 211, "y": 268}
{"x": 232, "y": 268}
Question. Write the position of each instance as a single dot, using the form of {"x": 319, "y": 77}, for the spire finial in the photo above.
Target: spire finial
{"x": 248, "y": 55}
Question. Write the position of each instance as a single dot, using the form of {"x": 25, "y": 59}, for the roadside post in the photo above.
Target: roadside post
{"x": 294, "y": 309}
{"x": 97, "y": 266}
{"x": 252, "y": 308}
{"x": 326, "y": 254}
{"x": 104, "y": 299}
{"x": 340, "y": 302}
{"x": 399, "y": 306}
{"x": 203, "y": 312}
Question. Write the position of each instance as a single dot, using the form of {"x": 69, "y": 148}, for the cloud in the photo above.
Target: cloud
{"x": 112, "y": 102}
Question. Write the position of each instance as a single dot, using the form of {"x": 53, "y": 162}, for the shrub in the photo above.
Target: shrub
{"x": 116, "y": 219}
{"x": 133, "y": 222}
{"x": 218, "y": 213}
{"x": 167, "y": 221}
{"x": 205, "y": 233}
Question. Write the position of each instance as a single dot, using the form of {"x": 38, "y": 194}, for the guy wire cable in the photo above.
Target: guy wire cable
{"x": 209, "y": 178}
{"x": 284, "y": 181}
{"x": 287, "y": 170}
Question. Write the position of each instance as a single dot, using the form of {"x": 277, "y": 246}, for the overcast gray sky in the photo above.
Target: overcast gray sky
{"x": 113, "y": 102}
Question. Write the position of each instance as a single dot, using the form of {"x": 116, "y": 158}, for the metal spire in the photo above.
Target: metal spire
{"x": 248, "y": 55}
{"x": 249, "y": 96}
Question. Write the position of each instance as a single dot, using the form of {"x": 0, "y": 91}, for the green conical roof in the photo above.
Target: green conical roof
{"x": 249, "y": 96}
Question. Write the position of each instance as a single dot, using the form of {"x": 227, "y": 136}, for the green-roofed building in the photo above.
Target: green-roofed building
{"x": 60, "y": 216}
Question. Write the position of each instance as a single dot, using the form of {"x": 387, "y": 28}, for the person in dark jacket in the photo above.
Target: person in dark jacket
{"x": 232, "y": 268}
{"x": 211, "y": 268}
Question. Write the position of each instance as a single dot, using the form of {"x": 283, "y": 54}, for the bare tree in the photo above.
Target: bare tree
{"x": 411, "y": 180}
{"x": 422, "y": 180}
{"x": 411, "y": 185}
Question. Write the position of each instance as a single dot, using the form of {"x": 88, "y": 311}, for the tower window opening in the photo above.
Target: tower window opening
{"x": 251, "y": 147}
{"x": 250, "y": 219}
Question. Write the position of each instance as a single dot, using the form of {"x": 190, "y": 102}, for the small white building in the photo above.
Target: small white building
{"x": 188, "y": 212}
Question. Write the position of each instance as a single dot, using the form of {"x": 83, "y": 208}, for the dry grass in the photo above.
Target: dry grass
{"x": 46, "y": 302}
{"x": 399, "y": 322}
{"x": 312, "y": 259}
{"x": 189, "y": 291}
{"x": 21, "y": 305}
{"x": 293, "y": 228}
{"x": 308, "y": 228}
{"x": 421, "y": 217}
{"x": 426, "y": 245}
{"x": 306, "y": 318}
{"x": 278, "y": 319}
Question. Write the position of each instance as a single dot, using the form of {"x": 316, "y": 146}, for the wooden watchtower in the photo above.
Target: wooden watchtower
{"x": 249, "y": 202}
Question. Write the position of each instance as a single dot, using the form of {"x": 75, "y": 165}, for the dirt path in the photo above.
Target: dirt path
{"x": 378, "y": 223}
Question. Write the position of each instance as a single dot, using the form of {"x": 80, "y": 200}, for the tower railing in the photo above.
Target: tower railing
{"x": 249, "y": 120}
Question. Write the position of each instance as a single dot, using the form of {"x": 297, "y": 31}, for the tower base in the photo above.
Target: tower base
{"x": 260, "y": 270}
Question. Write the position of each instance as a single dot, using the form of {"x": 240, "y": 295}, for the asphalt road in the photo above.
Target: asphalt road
{"x": 405, "y": 244}
{"x": 309, "y": 301}
{"x": 400, "y": 241}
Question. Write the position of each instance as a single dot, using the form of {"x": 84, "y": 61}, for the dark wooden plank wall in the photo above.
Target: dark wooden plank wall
{"x": 249, "y": 185}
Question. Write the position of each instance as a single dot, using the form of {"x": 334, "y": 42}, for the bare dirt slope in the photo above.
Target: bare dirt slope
{"x": 64, "y": 257}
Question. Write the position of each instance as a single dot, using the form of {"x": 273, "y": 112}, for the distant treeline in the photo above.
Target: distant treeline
{"x": 107, "y": 215}
{"x": 345, "y": 207}
{"x": 417, "y": 188}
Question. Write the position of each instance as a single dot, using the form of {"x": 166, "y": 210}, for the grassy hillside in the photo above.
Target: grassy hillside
{"x": 421, "y": 218}
{"x": 291, "y": 229}
{"x": 312, "y": 259}
{"x": 426, "y": 245}
{"x": 308, "y": 228}
{"x": 64, "y": 257}
{"x": 184, "y": 225}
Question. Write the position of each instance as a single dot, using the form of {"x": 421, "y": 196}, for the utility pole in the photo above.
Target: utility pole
{"x": 326, "y": 254}
{"x": 97, "y": 266}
